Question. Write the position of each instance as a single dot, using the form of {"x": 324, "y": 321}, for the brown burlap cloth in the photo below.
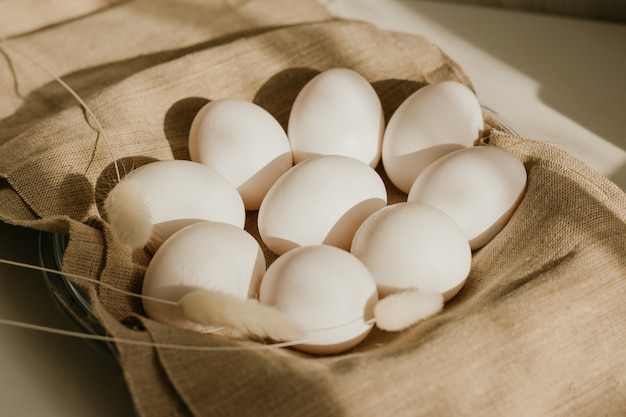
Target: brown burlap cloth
{"x": 538, "y": 330}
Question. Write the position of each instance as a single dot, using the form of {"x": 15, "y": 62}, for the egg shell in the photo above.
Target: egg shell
{"x": 326, "y": 290}
{"x": 180, "y": 192}
{"x": 243, "y": 142}
{"x": 337, "y": 113}
{"x": 322, "y": 200}
{"x": 479, "y": 187}
{"x": 433, "y": 121}
{"x": 410, "y": 245}
{"x": 204, "y": 255}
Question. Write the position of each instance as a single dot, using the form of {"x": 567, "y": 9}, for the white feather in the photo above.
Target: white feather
{"x": 128, "y": 214}
{"x": 404, "y": 309}
{"x": 214, "y": 308}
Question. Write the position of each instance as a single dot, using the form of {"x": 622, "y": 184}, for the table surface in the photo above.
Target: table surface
{"x": 552, "y": 78}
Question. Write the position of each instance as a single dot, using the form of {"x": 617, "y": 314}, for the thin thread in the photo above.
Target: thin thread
{"x": 102, "y": 338}
{"x": 91, "y": 280}
{"x": 159, "y": 345}
{"x": 132, "y": 294}
{"x": 70, "y": 90}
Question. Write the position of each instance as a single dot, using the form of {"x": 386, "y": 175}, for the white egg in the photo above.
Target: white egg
{"x": 175, "y": 193}
{"x": 410, "y": 245}
{"x": 433, "y": 121}
{"x": 337, "y": 113}
{"x": 244, "y": 143}
{"x": 327, "y": 291}
{"x": 479, "y": 187}
{"x": 322, "y": 200}
{"x": 204, "y": 255}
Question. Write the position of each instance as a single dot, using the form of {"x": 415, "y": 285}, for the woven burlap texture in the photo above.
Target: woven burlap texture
{"x": 538, "y": 330}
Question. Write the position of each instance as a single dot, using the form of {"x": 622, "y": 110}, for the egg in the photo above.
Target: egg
{"x": 413, "y": 246}
{"x": 205, "y": 255}
{"x": 432, "y": 122}
{"x": 322, "y": 200}
{"x": 244, "y": 143}
{"x": 337, "y": 113}
{"x": 327, "y": 291}
{"x": 479, "y": 187}
{"x": 157, "y": 199}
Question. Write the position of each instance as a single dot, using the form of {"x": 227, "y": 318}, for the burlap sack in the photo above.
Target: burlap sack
{"x": 538, "y": 330}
